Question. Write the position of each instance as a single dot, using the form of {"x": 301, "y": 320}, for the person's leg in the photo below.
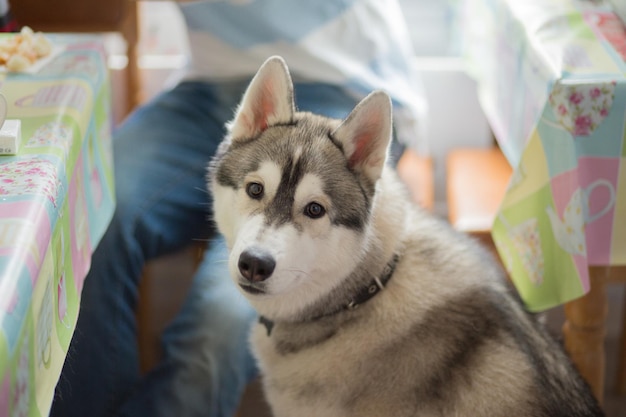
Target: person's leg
{"x": 160, "y": 159}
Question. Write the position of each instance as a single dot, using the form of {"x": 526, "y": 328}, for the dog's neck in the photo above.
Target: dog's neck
{"x": 362, "y": 295}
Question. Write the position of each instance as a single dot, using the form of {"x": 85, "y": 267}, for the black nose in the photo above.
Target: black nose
{"x": 256, "y": 265}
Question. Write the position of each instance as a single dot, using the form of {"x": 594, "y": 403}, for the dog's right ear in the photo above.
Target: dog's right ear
{"x": 267, "y": 101}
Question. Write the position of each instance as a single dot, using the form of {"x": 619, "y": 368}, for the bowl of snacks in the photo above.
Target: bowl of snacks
{"x": 24, "y": 51}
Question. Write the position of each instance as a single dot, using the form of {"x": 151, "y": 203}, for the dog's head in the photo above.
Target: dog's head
{"x": 293, "y": 192}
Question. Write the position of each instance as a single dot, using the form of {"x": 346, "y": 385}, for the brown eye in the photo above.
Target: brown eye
{"x": 314, "y": 210}
{"x": 254, "y": 190}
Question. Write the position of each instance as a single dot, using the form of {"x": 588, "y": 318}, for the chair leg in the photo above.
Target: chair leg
{"x": 584, "y": 332}
{"x": 621, "y": 369}
{"x": 162, "y": 291}
{"x": 416, "y": 171}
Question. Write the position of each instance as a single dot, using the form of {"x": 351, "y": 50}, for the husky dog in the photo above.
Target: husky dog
{"x": 368, "y": 305}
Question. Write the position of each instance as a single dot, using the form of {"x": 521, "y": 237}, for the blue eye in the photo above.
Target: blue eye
{"x": 254, "y": 190}
{"x": 314, "y": 210}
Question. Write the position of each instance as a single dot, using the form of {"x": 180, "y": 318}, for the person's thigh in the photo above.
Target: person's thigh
{"x": 161, "y": 154}
{"x": 324, "y": 99}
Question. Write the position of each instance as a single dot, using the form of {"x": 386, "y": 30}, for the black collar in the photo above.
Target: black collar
{"x": 374, "y": 287}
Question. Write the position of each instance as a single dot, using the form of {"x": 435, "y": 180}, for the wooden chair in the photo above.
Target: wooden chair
{"x": 88, "y": 16}
{"x": 416, "y": 171}
{"x": 162, "y": 291}
{"x": 584, "y": 330}
{"x": 476, "y": 181}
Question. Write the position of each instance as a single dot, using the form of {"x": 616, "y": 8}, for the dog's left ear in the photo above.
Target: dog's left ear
{"x": 365, "y": 135}
{"x": 267, "y": 101}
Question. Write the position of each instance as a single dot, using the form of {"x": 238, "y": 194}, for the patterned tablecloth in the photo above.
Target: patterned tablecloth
{"x": 56, "y": 199}
{"x": 551, "y": 80}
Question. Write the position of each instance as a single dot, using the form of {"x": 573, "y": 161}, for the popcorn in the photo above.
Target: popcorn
{"x": 24, "y": 49}
{"x": 18, "y": 63}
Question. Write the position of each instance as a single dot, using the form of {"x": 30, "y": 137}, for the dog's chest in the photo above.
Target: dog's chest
{"x": 280, "y": 346}
{"x": 310, "y": 371}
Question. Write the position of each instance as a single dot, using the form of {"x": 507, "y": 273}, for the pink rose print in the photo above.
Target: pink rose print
{"x": 29, "y": 176}
{"x": 576, "y": 98}
{"x": 580, "y": 109}
{"x": 583, "y": 125}
{"x": 595, "y": 93}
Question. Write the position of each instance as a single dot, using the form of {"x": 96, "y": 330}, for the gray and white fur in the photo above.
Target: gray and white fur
{"x": 315, "y": 219}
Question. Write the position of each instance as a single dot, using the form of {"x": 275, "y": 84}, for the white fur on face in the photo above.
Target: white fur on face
{"x": 232, "y": 207}
{"x": 307, "y": 268}
{"x": 310, "y": 254}
{"x": 268, "y": 174}
{"x": 226, "y": 218}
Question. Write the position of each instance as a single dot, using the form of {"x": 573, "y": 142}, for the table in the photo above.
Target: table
{"x": 56, "y": 200}
{"x": 550, "y": 75}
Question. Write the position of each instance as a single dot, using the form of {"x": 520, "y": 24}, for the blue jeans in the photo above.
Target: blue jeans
{"x": 161, "y": 154}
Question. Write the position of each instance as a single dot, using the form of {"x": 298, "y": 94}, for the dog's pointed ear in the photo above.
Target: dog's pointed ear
{"x": 365, "y": 135}
{"x": 267, "y": 101}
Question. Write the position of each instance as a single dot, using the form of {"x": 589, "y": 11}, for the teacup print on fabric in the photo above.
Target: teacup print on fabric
{"x": 67, "y": 95}
{"x": 580, "y": 109}
{"x": 585, "y": 200}
{"x": 53, "y": 134}
{"x": 609, "y": 26}
{"x": 569, "y": 229}
{"x": 526, "y": 241}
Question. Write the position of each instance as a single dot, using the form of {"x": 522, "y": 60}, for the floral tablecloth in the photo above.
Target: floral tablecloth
{"x": 56, "y": 199}
{"x": 551, "y": 80}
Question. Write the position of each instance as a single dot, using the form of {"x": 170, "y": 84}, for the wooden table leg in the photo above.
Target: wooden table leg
{"x": 584, "y": 331}
{"x": 621, "y": 369}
